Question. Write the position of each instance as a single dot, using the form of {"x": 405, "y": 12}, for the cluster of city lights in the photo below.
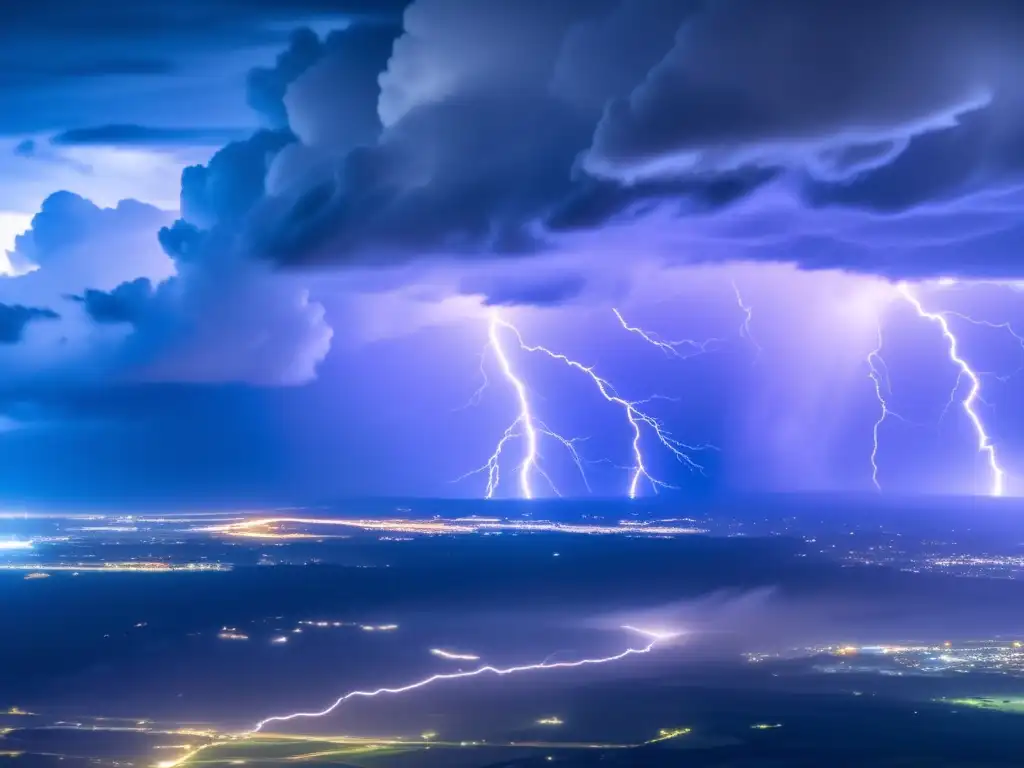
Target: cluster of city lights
{"x": 271, "y": 527}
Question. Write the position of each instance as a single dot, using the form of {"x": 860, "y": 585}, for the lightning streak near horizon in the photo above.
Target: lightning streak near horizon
{"x": 878, "y": 372}
{"x": 636, "y": 418}
{"x": 524, "y": 425}
{"x": 655, "y": 637}
{"x": 968, "y": 403}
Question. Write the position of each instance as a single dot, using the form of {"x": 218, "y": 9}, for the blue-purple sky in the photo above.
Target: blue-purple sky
{"x": 254, "y": 247}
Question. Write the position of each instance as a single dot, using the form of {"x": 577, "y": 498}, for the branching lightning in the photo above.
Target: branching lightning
{"x": 485, "y": 670}
{"x": 878, "y": 372}
{"x": 654, "y": 636}
{"x": 631, "y": 408}
{"x": 524, "y": 419}
{"x": 985, "y": 445}
{"x": 526, "y": 425}
{"x": 690, "y": 347}
{"x": 996, "y": 326}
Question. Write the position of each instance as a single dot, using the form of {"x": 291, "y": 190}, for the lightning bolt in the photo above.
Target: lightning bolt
{"x": 524, "y": 425}
{"x": 485, "y": 670}
{"x": 636, "y": 417}
{"x": 668, "y": 347}
{"x": 523, "y": 420}
{"x": 655, "y": 637}
{"x": 878, "y": 372}
{"x": 984, "y": 442}
{"x": 485, "y": 383}
{"x": 996, "y": 326}
{"x": 748, "y": 314}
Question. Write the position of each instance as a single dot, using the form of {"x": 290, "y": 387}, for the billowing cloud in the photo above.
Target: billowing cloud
{"x": 223, "y": 317}
{"x": 164, "y": 61}
{"x": 607, "y": 54}
{"x": 521, "y": 128}
{"x": 218, "y": 323}
{"x": 508, "y": 128}
{"x": 451, "y": 48}
{"x": 266, "y": 86}
{"x": 73, "y": 244}
{"x": 161, "y": 299}
{"x": 14, "y": 319}
{"x": 581, "y": 133}
{"x": 747, "y": 83}
{"x": 508, "y": 152}
{"x": 474, "y": 146}
{"x": 124, "y": 304}
{"x": 332, "y": 104}
{"x": 224, "y": 190}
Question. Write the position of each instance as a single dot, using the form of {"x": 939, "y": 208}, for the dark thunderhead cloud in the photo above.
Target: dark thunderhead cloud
{"x": 505, "y": 126}
{"x": 14, "y": 318}
{"x": 866, "y": 135}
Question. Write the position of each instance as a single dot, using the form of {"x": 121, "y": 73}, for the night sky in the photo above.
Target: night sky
{"x": 255, "y": 247}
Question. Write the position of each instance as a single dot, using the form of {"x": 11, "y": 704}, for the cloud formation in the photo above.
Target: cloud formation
{"x": 164, "y": 61}
{"x": 751, "y": 84}
{"x": 885, "y": 140}
{"x": 125, "y": 304}
{"x": 509, "y": 127}
{"x": 165, "y": 299}
{"x": 223, "y": 317}
{"x": 14, "y": 318}
{"x": 545, "y": 289}
{"x": 74, "y": 244}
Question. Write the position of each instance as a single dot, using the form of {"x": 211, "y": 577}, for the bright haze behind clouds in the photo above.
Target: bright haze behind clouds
{"x": 255, "y": 247}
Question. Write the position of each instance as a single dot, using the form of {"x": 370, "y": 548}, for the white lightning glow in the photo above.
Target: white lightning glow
{"x": 486, "y": 670}
{"x": 689, "y": 347}
{"x": 984, "y": 442}
{"x": 525, "y": 425}
{"x": 655, "y": 638}
{"x": 524, "y": 420}
{"x": 658, "y": 635}
{"x": 450, "y": 656}
{"x": 1007, "y": 327}
{"x": 748, "y": 314}
{"x": 636, "y": 417}
{"x": 878, "y": 372}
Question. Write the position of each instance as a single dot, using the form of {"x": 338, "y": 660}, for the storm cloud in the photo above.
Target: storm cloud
{"x": 500, "y": 142}
{"x": 14, "y": 319}
{"x": 876, "y": 137}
